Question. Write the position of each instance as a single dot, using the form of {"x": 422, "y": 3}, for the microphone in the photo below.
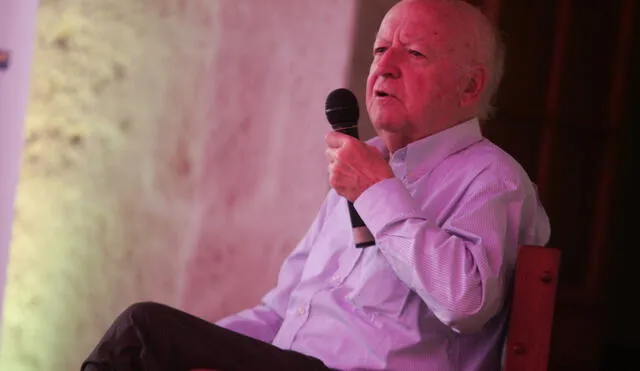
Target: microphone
{"x": 343, "y": 113}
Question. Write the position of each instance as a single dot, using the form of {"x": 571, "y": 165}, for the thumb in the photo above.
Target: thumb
{"x": 335, "y": 139}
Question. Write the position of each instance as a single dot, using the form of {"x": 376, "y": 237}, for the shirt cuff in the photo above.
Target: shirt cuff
{"x": 384, "y": 203}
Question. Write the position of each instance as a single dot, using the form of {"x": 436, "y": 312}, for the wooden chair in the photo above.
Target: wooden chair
{"x": 532, "y": 306}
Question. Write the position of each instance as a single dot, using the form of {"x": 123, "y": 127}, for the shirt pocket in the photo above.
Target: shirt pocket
{"x": 377, "y": 290}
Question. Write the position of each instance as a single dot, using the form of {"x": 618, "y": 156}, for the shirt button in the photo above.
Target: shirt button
{"x": 301, "y": 310}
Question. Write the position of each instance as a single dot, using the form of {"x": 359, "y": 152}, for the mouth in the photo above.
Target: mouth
{"x": 381, "y": 94}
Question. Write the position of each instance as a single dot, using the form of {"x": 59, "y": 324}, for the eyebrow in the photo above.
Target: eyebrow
{"x": 422, "y": 41}
{"x": 415, "y": 40}
{"x": 380, "y": 38}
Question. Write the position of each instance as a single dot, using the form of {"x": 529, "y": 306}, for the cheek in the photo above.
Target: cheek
{"x": 369, "y": 89}
{"x": 371, "y": 79}
{"x": 434, "y": 90}
{"x": 429, "y": 95}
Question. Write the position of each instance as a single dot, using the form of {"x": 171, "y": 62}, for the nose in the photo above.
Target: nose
{"x": 388, "y": 64}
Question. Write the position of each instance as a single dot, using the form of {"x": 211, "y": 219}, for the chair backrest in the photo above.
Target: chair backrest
{"x": 532, "y": 307}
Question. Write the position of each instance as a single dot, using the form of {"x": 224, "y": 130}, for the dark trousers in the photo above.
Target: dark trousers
{"x": 155, "y": 337}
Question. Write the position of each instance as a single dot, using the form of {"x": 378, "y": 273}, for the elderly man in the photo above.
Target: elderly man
{"x": 448, "y": 210}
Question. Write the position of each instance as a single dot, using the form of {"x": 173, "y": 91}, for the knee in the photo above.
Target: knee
{"x": 143, "y": 307}
{"x": 143, "y": 312}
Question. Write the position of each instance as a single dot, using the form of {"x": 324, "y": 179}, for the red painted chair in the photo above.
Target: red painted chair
{"x": 532, "y": 306}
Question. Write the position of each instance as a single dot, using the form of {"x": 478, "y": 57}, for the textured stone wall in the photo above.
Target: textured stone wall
{"x": 174, "y": 152}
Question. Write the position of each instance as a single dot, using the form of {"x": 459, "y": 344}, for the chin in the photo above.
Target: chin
{"x": 389, "y": 126}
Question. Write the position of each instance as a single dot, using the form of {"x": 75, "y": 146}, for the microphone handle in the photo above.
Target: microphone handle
{"x": 362, "y": 237}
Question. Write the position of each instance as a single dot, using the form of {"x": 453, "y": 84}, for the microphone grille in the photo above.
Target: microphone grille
{"x": 342, "y": 109}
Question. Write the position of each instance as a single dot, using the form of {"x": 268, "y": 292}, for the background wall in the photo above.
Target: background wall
{"x": 174, "y": 152}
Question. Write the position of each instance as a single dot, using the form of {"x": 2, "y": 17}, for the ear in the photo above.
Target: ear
{"x": 473, "y": 86}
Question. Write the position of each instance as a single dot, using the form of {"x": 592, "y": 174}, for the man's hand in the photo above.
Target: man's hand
{"x": 353, "y": 165}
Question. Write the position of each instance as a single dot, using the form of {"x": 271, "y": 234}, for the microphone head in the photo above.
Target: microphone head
{"x": 342, "y": 109}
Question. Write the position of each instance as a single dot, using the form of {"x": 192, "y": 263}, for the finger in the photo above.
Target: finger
{"x": 330, "y": 154}
{"x": 333, "y": 177}
{"x": 336, "y": 173}
{"x": 336, "y": 139}
{"x": 333, "y": 169}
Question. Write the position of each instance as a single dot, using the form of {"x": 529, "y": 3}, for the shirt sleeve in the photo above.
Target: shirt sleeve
{"x": 263, "y": 321}
{"x": 456, "y": 265}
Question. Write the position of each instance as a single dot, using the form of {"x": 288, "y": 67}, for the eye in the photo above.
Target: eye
{"x": 379, "y": 50}
{"x": 416, "y": 53}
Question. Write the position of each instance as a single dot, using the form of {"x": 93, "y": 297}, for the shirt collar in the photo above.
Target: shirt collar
{"x": 420, "y": 157}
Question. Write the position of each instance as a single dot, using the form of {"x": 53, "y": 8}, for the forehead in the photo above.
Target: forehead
{"x": 418, "y": 20}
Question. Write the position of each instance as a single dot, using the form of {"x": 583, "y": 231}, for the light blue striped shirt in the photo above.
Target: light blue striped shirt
{"x": 430, "y": 294}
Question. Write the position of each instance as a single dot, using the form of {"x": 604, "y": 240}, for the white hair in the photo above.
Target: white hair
{"x": 496, "y": 70}
{"x": 490, "y": 52}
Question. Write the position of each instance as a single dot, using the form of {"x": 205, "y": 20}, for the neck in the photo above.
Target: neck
{"x": 397, "y": 140}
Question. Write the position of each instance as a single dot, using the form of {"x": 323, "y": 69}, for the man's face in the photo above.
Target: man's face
{"x": 414, "y": 83}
